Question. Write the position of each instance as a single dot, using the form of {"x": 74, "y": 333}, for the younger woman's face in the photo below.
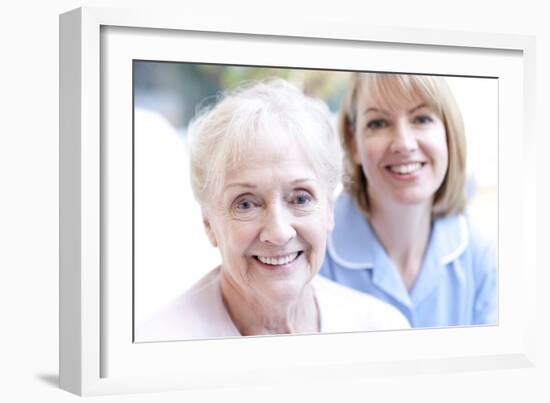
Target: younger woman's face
{"x": 402, "y": 149}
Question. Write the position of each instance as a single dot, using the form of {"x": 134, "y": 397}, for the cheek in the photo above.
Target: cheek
{"x": 234, "y": 239}
{"x": 361, "y": 149}
{"x": 357, "y": 152}
{"x": 315, "y": 231}
{"x": 441, "y": 150}
{"x": 371, "y": 155}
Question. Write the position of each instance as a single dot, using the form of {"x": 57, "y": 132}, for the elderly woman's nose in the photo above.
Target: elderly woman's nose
{"x": 403, "y": 139}
{"x": 277, "y": 227}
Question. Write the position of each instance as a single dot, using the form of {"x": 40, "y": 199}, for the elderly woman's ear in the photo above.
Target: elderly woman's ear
{"x": 209, "y": 231}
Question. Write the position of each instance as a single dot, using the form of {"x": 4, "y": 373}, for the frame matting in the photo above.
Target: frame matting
{"x": 97, "y": 352}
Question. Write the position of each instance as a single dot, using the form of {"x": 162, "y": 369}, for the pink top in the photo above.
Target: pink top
{"x": 200, "y": 312}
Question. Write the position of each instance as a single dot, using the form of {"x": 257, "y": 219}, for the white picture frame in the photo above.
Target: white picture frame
{"x": 97, "y": 356}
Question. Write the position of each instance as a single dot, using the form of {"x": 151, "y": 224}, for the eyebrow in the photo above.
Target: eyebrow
{"x": 252, "y": 186}
{"x": 240, "y": 185}
{"x": 422, "y": 105}
{"x": 373, "y": 109}
{"x": 384, "y": 112}
{"x": 302, "y": 180}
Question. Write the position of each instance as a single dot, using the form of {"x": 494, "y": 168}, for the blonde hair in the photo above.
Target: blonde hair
{"x": 388, "y": 89}
{"x": 271, "y": 113}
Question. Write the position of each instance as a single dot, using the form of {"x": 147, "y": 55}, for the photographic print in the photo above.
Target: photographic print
{"x": 395, "y": 228}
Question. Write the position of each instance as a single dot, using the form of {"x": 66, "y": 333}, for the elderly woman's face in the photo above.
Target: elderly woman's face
{"x": 270, "y": 223}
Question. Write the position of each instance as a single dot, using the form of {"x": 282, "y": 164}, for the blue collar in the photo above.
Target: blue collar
{"x": 353, "y": 245}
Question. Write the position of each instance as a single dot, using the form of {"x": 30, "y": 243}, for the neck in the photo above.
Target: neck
{"x": 256, "y": 314}
{"x": 404, "y": 232}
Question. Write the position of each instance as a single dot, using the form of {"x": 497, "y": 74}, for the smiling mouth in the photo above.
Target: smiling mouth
{"x": 405, "y": 169}
{"x": 279, "y": 260}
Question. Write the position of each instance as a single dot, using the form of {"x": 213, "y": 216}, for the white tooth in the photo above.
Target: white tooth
{"x": 406, "y": 168}
{"x": 278, "y": 261}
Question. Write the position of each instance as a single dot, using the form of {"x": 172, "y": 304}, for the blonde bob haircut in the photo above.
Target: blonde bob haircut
{"x": 387, "y": 90}
{"x": 259, "y": 120}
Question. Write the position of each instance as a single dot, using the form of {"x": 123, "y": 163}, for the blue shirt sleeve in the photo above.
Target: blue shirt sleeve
{"x": 486, "y": 299}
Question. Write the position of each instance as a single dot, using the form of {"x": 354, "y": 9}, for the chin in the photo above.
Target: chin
{"x": 286, "y": 289}
{"x": 414, "y": 197}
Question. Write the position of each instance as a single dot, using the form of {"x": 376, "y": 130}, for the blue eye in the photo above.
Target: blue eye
{"x": 245, "y": 205}
{"x": 377, "y": 124}
{"x": 302, "y": 199}
{"x": 423, "y": 119}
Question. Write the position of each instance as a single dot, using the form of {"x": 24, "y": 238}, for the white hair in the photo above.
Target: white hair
{"x": 271, "y": 113}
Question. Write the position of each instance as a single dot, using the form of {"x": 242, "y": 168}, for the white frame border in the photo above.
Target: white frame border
{"x": 80, "y": 186}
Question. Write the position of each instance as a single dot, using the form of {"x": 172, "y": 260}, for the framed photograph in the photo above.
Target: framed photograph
{"x": 132, "y": 235}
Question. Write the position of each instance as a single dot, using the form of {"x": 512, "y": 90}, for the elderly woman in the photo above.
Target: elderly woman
{"x": 264, "y": 166}
{"x": 400, "y": 229}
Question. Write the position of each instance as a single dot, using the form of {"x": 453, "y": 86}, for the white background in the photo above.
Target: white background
{"x": 29, "y": 201}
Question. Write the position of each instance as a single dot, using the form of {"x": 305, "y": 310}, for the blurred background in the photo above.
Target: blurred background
{"x": 178, "y": 90}
{"x": 171, "y": 251}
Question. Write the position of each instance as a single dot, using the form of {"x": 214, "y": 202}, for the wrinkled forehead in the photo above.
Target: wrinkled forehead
{"x": 265, "y": 140}
{"x": 395, "y": 91}
{"x": 270, "y": 150}
{"x": 291, "y": 162}
{"x": 260, "y": 152}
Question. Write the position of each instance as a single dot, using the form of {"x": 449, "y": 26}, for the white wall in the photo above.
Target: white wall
{"x": 29, "y": 209}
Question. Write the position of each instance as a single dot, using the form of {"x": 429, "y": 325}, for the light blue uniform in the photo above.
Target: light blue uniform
{"x": 456, "y": 285}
